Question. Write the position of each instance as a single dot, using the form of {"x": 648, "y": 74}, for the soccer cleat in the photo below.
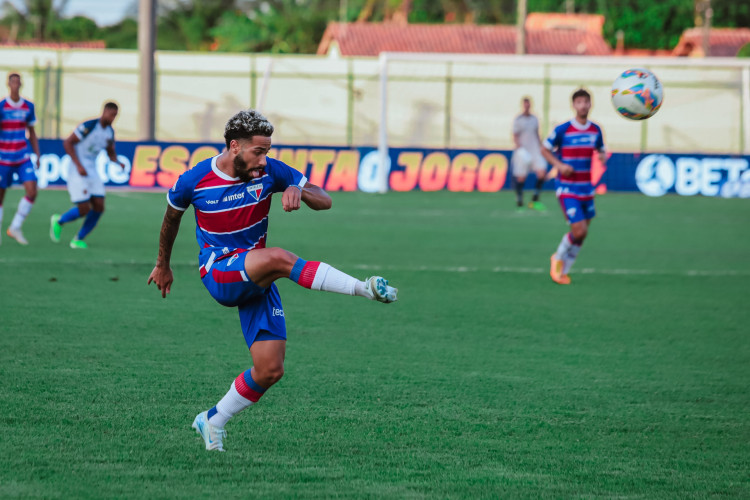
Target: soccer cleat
{"x": 17, "y": 235}
{"x": 212, "y": 435}
{"x": 76, "y": 243}
{"x": 538, "y": 206}
{"x": 555, "y": 271}
{"x": 380, "y": 289}
{"x": 55, "y": 229}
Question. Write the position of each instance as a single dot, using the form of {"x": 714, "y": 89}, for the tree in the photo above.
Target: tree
{"x": 33, "y": 19}
{"x": 187, "y": 24}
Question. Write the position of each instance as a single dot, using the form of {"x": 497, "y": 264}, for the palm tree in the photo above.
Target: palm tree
{"x": 32, "y": 18}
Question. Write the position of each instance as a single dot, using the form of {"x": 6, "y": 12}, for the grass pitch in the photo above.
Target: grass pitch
{"x": 485, "y": 380}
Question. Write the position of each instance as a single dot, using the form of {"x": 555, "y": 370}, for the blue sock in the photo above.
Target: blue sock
{"x": 70, "y": 215}
{"x": 90, "y": 223}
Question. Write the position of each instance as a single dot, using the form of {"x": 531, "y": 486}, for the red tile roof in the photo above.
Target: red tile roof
{"x": 592, "y": 23}
{"x": 724, "y": 42}
{"x": 369, "y": 39}
{"x": 95, "y": 44}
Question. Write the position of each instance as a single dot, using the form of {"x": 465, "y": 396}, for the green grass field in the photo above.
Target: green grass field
{"x": 485, "y": 379}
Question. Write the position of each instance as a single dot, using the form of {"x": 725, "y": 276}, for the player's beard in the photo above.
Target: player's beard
{"x": 241, "y": 170}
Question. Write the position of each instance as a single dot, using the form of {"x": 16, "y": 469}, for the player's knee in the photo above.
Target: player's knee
{"x": 270, "y": 374}
{"x": 281, "y": 258}
{"x": 84, "y": 208}
{"x": 97, "y": 204}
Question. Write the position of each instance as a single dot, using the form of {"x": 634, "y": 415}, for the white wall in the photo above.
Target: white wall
{"x": 433, "y": 101}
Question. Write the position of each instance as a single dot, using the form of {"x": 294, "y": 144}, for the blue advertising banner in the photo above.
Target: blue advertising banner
{"x": 158, "y": 164}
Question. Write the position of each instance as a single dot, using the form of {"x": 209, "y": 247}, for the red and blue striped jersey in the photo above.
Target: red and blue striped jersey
{"x": 575, "y": 144}
{"x": 14, "y": 118}
{"x": 231, "y": 214}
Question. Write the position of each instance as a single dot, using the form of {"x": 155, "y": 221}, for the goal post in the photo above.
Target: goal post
{"x": 468, "y": 101}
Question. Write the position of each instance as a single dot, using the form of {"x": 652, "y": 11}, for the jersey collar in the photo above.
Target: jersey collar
{"x": 219, "y": 173}
{"x": 578, "y": 126}
{"x": 15, "y": 104}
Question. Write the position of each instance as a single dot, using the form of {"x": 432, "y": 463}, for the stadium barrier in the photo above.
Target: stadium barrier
{"x": 157, "y": 165}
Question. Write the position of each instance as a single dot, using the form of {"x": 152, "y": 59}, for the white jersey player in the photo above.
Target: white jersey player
{"x": 527, "y": 156}
{"x": 85, "y": 186}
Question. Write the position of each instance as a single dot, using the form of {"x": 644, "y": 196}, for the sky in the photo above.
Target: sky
{"x": 104, "y": 12}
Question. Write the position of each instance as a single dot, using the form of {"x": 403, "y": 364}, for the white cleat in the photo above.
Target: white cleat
{"x": 212, "y": 435}
{"x": 380, "y": 289}
{"x": 17, "y": 235}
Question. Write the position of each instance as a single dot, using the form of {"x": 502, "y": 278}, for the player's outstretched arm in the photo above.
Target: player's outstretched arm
{"x": 162, "y": 273}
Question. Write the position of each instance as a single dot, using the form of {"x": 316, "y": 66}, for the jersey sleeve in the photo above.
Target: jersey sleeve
{"x": 84, "y": 129}
{"x": 181, "y": 194}
{"x": 599, "y": 144}
{"x": 517, "y": 129}
{"x": 284, "y": 176}
{"x": 554, "y": 141}
{"x": 31, "y": 115}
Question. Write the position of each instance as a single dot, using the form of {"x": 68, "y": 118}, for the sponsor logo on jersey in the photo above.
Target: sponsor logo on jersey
{"x": 255, "y": 190}
{"x": 212, "y": 202}
{"x": 277, "y": 312}
{"x": 233, "y": 197}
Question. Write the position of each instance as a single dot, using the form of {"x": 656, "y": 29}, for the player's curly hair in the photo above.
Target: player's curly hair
{"x": 245, "y": 125}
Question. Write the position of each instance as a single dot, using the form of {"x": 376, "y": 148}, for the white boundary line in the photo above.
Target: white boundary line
{"x": 433, "y": 269}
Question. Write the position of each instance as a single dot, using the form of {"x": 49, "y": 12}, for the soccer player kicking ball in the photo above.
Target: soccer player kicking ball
{"x": 574, "y": 143}
{"x": 231, "y": 194}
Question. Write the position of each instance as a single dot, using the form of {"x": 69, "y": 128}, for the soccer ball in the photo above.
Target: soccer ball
{"x": 637, "y": 94}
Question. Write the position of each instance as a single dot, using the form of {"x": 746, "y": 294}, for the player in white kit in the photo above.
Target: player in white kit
{"x": 527, "y": 156}
{"x": 85, "y": 186}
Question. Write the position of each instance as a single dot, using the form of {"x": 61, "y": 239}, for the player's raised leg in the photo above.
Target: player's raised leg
{"x": 264, "y": 266}
{"x": 246, "y": 390}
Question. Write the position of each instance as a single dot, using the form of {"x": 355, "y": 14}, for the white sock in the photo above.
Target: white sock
{"x": 564, "y": 247}
{"x": 24, "y": 207}
{"x": 321, "y": 276}
{"x": 570, "y": 258}
{"x": 230, "y": 405}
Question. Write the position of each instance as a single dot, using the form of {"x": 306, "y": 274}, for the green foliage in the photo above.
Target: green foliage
{"x": 296, "y": 26}
{"x": 121, "y": 36}
{"x": 75, "y": 29}
{"x": 281, "y": 27}
{"x": 648, "y": 24}
{"x": 744, "y": 51}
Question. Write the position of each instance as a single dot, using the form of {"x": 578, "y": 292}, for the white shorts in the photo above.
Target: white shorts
{"x": 524, "y": 162}
{"x": 83, "y": 188}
